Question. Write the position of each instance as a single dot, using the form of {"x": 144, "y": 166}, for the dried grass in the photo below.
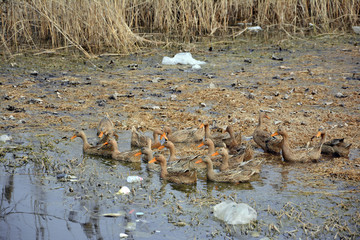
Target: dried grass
{"x": 118, "y": 26}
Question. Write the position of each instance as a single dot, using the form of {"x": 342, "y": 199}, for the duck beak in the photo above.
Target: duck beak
{"x": 201, "y": 126}
{"x": 318, "y": 134}
{"x": 274, "y": 134}
{"x": 137, "y": 154}
{"x": 73, "y": 137}
{"x": 267, "y": 116}
{"x": 201, "y": 144}
{"x": 199, "y": 161}
{"x": 161, "y": 147}
{"x": 101, "y": 134}
{"x": 152, "y": 160}
{"x": 163, "y": 136}
{"x": 215, "y": 153}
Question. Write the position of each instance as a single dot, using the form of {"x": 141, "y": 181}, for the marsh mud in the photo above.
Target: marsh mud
{"x": 51, "y": 190}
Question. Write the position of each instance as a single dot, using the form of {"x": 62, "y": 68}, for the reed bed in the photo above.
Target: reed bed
{"x": 124, "y": 26}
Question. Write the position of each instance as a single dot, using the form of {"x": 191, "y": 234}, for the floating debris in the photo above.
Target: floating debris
{"x": 234, "y": 213}
{"x": 340, "y": 95}
{"x": 118, "y": 214}
{"x": 66, "y": 177}
{"x": 123, "y": 191}
{"x": 131, "y": 179}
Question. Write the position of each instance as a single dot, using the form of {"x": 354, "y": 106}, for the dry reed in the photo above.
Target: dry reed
{"x": 94, "y": 26}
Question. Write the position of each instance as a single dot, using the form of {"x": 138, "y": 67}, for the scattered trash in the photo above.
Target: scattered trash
{"x": 196, "y": 67}
{"x": 274, "y": 57}
{"x": 181, "y": 58}
{"x": 254, "y": 29}
{"x": 131, "y": 179}
{"x": 123, "y": 235}
{"x": 234, "y": 213}
{"x": 5, "y": 138}
{"x": 248, "y": 60}
{"x": 340, "y": 95}
{"x": 66, "y": 177}
{"x": 118, "y": 214}
{"x": 123, "y": 190}
{"x": 139, "y": 214}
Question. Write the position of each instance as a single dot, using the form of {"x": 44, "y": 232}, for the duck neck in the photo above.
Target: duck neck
{"x": 225, "y": 162}
{"x": 207, "y": 131}
{"x": 285, "y": 146}
{"x": 156, "y": 137}
{"x": 260, "y": 120}
{"x": 172, "y": 156}
{"x": 115, "y": 148}
{"x": 210, "y": 171}
{"x": 86, "y": 144}
{"x": 164, "y": 171}
{"x": 211, "y": 148}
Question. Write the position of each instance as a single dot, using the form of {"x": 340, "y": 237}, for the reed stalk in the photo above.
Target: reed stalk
{"x": 124, "y": 26}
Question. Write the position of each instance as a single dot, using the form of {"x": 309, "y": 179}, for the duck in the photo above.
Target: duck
{"x": 184, "y": 176}
{"x": 138, "y": 139}
{"x": 127, "y": 156}
{"x": 172, "y": 157}
{"x": 105, "y": 130}
{"x": 210, "y": 145}
{"x": 336, "y": 148}
{"x": 299, "y": 155}
{"x": 233, "y": 143}
{"x": 185, "y": 135}
{"x": 230, "y": 176}
{"x": 263, "y": 138}
{"x": 88, "y": 149}
{"x": 242, "y": 161}
{"x": 217, "y": 137}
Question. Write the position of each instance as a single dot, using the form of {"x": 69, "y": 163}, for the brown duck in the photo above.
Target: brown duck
{"x": 231, "y": 176}
{"x": 218, "y": 138}
{"x": 106, "y": 130}
{"x": 243, "y": 161}
{"x": 263, "y": 138}
{"x": 127, "y": 156}
{"x": 185, "y": 135}
{"x": 336, "y": 148}
{"x": 93, "y": 150}
{"x": 176, "y": 176}
{"x": 138, "y": 139}
{"x": 299, "y": 155}
{"x": 233, "y": 143}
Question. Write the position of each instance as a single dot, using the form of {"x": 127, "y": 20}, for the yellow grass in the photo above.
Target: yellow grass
{"x": 123, "y": 26}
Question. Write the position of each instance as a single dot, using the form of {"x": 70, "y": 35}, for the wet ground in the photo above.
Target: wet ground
{"x": 45, "y": 98}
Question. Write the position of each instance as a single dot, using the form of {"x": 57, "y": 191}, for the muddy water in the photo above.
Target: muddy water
{"x": 292, "y": 200}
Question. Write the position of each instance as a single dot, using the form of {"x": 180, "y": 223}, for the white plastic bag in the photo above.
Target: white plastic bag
{"x": 234, "y": 213}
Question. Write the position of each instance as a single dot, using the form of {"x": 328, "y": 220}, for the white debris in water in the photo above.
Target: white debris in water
{"x": 5, "y": 138}
{"x": 234, "y": 213}
{"x": 254, "y": 29}
{"x": 181, "y": 58}
{"x": 123, "y": 235}
{"x": 123, "y": 190}
{"x": 356, "y": 29}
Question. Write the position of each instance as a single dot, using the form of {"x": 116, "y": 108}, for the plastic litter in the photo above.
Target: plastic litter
{"x": 234, "y": 213}
{"x": 131, "y": 179}
{"x": 123, "y": 235}
{"x": 181, "y": 58}
{"x": 5, "y": 138}
{"x": 254, "y": 29}
{"x": 123, "y": 190}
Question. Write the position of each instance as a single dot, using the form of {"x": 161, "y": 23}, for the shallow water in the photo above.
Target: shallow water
{"x": 291, "y": 200}
{"x": 37, "y": 205}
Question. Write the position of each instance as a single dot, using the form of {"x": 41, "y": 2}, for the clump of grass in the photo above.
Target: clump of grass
{"x": 125, "y": 26}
